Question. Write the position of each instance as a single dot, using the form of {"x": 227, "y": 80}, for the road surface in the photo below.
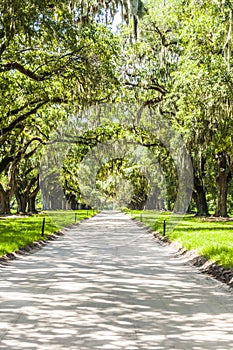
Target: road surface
{"x": 107, "y": 284}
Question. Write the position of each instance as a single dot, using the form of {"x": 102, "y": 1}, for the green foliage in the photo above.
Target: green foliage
{"x": 123, "y": 178}
{"x": 60, "y": 57}
{"x": 53, "y": 56}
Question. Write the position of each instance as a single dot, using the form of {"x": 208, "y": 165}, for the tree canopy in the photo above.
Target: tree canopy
{"x": 171, "y": 60}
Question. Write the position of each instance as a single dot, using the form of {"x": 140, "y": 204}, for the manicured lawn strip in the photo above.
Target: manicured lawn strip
{"x": 212, "y": 239}
{"x": 16, "y": 233}
{"x": 59, "y": 219}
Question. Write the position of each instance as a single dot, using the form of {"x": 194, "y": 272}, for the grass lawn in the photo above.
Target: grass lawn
{"x": 17, "y": 232}
{"x": 210, "y": 238}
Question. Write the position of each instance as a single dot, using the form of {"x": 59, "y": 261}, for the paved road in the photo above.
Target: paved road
{"x": 107, "y": 284}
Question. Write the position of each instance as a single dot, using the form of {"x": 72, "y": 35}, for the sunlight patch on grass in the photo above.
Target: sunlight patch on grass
{"x": 212, "y": 239}
{"x": 18, "y": 232}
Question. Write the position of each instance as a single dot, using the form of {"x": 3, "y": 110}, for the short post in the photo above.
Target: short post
{"x": 141, "y": 217}
{"x": 43, "y": 226}
{"x": 75, "y": 217}
{"x": 87, "y": 212}
{"x": 164, "y": 227}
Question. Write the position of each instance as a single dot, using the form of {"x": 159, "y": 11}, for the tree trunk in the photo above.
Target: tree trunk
{"x": 73, "y": 202}
{"x": 4, "y": 201}
{"x": 32, "y": 204}
{"x": 32, "y": 198}
{"x": 222, "y": 185}
{"x": 199, "y": 196}
{"x": 155, "y": 200}
{"x": 22, "y": 201}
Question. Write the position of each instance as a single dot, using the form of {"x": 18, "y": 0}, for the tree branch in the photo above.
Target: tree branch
{"x": 24, "y": 116}
{"x": 36, "y": 190}
{"x": 32, "y": 74}
{"x": 17, "y": 110}
{"x": 3, "y": 48}
{"x": 5, "y": 162}
{"x": 155, "y": 87}
{"x": 22, "y": 153}
{"x": 163, "y": 38}
{"x": 29, "y": 73}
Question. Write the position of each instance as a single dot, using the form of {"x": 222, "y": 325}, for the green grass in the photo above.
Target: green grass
{"x": 212, "y": 239}
{"x": 18, "y": 232}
